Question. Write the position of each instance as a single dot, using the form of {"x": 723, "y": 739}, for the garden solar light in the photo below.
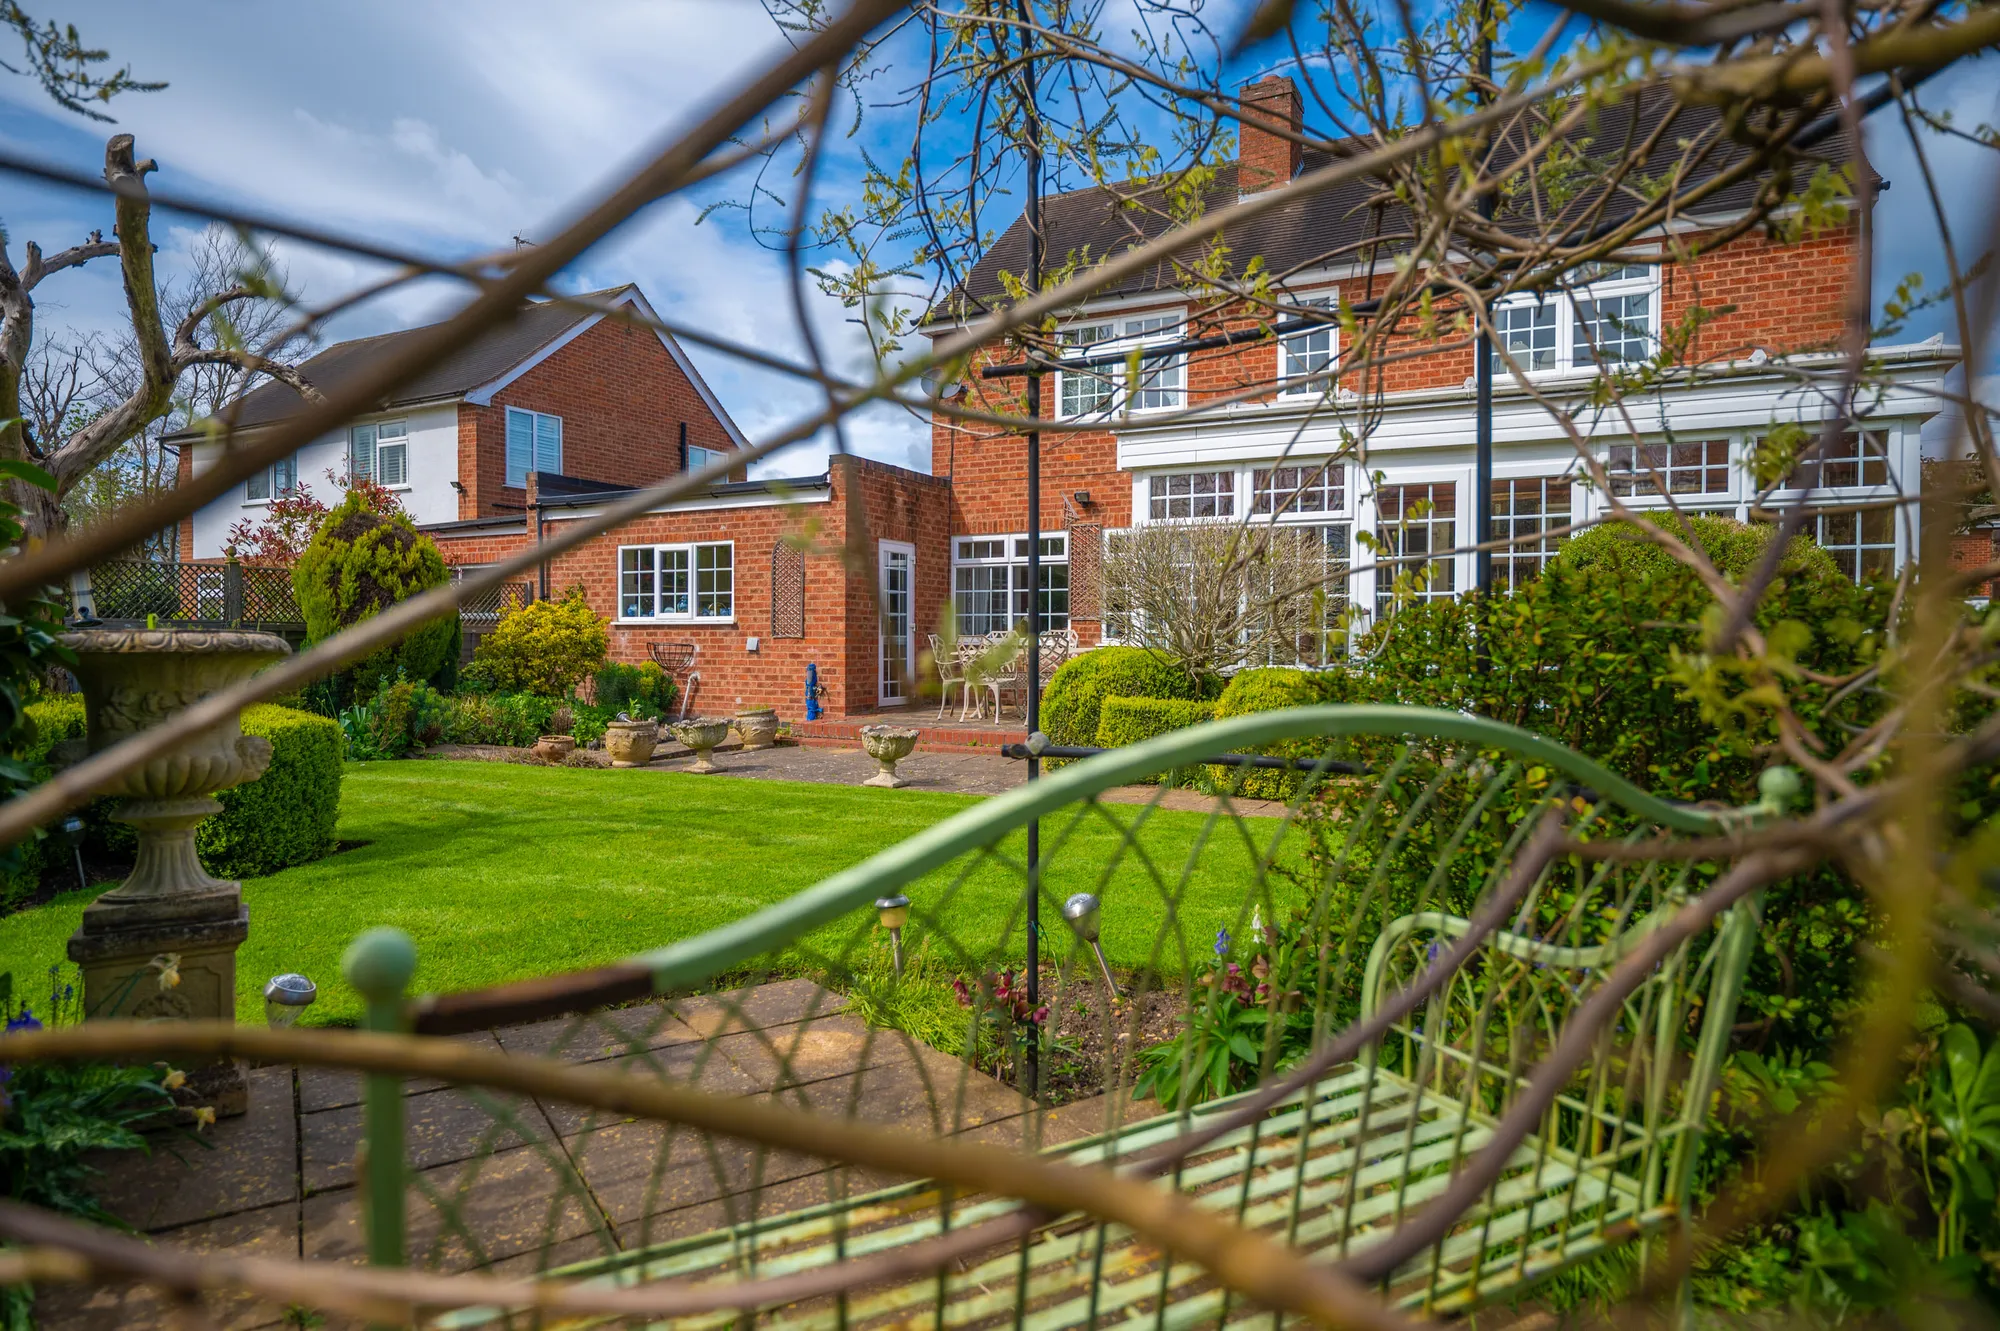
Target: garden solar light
{"x": 894, "y": 913}
{"x": 72, "y": 830}
{"x": 286, "y": 996}
{"x": 1081, "y": 911}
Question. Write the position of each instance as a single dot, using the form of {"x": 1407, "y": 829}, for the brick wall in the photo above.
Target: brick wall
{"x": 622, "y": 399}
{"x": 873, "y": 501}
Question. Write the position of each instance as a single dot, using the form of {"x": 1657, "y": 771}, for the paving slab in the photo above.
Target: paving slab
{"x": 641, "y": 1169}
{"x": 270, "y": 1231}
{"x": 758, "y": 1007}
{"x": 701, "y": 1064}
{"x": 239, "y": 1164}
{"x": 598, "y": 1035}
{"x": 439, "y": 1128}
{"x": 330, "y": 1088}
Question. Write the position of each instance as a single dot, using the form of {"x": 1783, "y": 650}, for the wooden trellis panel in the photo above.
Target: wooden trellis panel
{"x": 788, "y": 590}
{"x": 1086, "y": 573}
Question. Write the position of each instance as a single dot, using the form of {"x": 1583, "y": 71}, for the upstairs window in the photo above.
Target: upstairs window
{"x": 1608, "y": 316}
{"x": 1087, "y": 389}
{"x": 699, "y": 457}
{"x": 1160, "y": 381}
{"x": 380, "y": 452}
{"x": 1191, "y": 494}
{"x": 534, "y": 443}
{"x": 1307, "y": 353}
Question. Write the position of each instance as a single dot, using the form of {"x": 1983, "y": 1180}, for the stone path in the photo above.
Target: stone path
{"x": 280, "y": 1181}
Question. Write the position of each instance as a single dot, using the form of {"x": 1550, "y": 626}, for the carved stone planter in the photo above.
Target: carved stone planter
{"x": 888, "y": 745}
{"x": 162, "y": 945}
{"x": 554, "y": 748}
{"x": 702, "y": 734}
{"x": 630, "y": 743}
{"x": 757, "y": 727}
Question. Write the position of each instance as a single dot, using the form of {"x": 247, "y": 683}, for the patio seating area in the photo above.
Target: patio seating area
{"x": 994, "y": 667}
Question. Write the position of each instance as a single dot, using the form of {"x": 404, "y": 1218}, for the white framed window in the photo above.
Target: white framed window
{"x": 1419, "y": 519}
{"x": 380, "y": 452}
{"x": 1698, "y": 467}
{"x": 677, "y": 582}
{"x": 1087, "y": 389}
{"x": 699, "y": 457}
{"x": 1857, "y": 460}
{"x": 275, "y": 481}
{"x": 1610, "y": 316}
{"x": 1313, "y": 619}
{"x": 1862, "y": 541}
{"x": 1309, "y": 352}
{"x": 1525, "y": 510}
{"x": 989, "y": 580}
{"x": 1160, "y": 382}
{"x": 1191, "y": 494}
{"x": 1298, "y": 489}
{"x": 534, "y": 443}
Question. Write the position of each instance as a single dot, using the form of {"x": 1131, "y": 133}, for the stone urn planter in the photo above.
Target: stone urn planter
{"x": 888, "y": 745}
{"x": 702, "y": 734}
{"x": 757, "y": 727}
{"x": 554, "y": 748}
{"x": 630, "y": 743}
{"x": 162, "y": 945}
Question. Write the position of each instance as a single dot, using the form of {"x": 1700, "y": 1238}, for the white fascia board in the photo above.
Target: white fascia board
{"x": 483, "y": 395}
{"x": 1432, "y": 420}
{"x": 705, "y": 504}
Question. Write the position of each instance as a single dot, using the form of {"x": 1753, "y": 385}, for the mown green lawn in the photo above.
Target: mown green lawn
{"x": 501, "y": 872}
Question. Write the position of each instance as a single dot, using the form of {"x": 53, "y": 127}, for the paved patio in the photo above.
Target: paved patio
{"x": 280, "y": 1181}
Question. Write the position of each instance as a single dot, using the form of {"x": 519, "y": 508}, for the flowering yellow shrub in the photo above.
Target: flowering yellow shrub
{"x": 544, "y": 647}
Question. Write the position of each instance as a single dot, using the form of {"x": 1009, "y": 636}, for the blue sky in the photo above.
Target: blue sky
{"x": 418, "y": 125}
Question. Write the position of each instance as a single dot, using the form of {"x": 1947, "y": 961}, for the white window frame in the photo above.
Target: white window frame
{"x": 978, "y": 552}
{"x": 365, "y": 447}
{"x": 274, "y": 482}
{"x": 1146, "y": 483}
{"x": 699, "y": 456}
{"x": 1116, "y": 335}
{"x": 1573, "y": 351}
{"x": 1299, "y": 382}
{"x": 891, "y": 691}
{"x": 534, "y": 460}
{"x": 685, "y": 557}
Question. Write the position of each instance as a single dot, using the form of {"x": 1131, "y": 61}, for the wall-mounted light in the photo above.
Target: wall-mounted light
{"x": 1081, "y": 911}
{"x": 894, "y": 913}
{"x": 458, "y": 486}
{"x": 1082, "y": 498}
{"x": 286, "y": 997}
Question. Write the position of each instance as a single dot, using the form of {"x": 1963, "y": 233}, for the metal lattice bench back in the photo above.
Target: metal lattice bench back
{"x": 1449, "y": 932}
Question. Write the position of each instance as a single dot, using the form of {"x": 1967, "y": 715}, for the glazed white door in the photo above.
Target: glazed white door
{"x": 897, "y": 591}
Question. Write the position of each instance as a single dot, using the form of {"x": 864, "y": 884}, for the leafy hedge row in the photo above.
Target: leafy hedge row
{"x": 1125, "y": 721}
{"x": 1073, "y": 702}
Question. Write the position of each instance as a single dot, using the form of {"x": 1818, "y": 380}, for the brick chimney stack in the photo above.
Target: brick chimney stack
{"x": 1267, "y": 160}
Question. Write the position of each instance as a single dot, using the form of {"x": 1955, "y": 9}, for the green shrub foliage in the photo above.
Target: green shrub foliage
{"x": 643, "y": 692}
{"x": 358, "y": 564}
{"x": 288, "y": 815}
{"x": 1265, "y": 691}
{"x": 545, "y": 647}
{"x": 1074, "y": 699}
{"x": 1125, "y": 721}
{"x": 1733, "y": 547}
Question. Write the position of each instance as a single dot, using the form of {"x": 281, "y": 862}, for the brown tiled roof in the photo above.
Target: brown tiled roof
{"x": 487, "y": 358}
{"x": 1331, "y": 226}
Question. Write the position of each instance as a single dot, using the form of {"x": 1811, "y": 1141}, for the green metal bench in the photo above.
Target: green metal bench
{"x": 1469, "y": 934}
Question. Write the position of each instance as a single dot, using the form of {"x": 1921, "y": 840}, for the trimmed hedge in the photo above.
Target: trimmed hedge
{"x": 51, "y": 721}
{"x": 1269, "y": 690}
{"x": 1733, "y": 547}
{"x": 1073, "y": 702}
{"x": 288, "y": 815}
{"x": 1125, "y": 721}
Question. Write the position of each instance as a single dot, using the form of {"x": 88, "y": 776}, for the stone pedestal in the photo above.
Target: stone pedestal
{"x": 888, "y": 745}
{"x": 161, "y": 946}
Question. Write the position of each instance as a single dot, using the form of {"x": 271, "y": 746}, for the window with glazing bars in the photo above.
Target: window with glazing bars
{"x": 1525, "y": 508}
{"x": 1861, "y": 541}
{"x": 1855, "y": 459}
{"x": 1527, "y": 329}
{"x": 1191, "y": 494}
{"x": 1303, "y": 354}
{"x": 1160, "y": 380}
{"x": 1684, "y": 468}
{"x": 1415, "y": 520}
{"x": 1087, "y": 389}
{"x": 1311, "y": 487}
{"x": 990, "y": 583}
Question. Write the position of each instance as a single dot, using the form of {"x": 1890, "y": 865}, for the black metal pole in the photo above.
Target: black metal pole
{"x": 1482, "y": 374}
{"x": 1032, "y": 282}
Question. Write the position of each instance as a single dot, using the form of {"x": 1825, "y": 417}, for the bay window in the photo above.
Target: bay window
{"x": 677, "y": 582}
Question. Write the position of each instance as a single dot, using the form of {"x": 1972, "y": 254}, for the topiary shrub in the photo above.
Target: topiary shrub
{"x": 1074, "y": 699}
{"x": 286, "y": 816}
{"x": 545, "y": 647}
{"x": 1123, "y": 721}
{"x": 1733, "y": 547}
{"x": 1266, "y": 691}
{"x": 358, "y": 564}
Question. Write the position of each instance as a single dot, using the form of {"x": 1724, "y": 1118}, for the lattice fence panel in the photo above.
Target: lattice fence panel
{"x": 1086, "y": 570}
{"x": 788, "y": 590}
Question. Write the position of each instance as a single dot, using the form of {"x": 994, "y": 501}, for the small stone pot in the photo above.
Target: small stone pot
{"x": 702, "y": 734}
{"x": 888, "y": 745}
{"x": 555, "y": 748}
{"x": 630, "y": 743}
{"x": 757, "y": 727}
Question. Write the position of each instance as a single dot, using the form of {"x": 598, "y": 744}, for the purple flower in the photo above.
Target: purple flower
{"x": 25, "y": 1022}
{"x": 1222, "y": 942}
